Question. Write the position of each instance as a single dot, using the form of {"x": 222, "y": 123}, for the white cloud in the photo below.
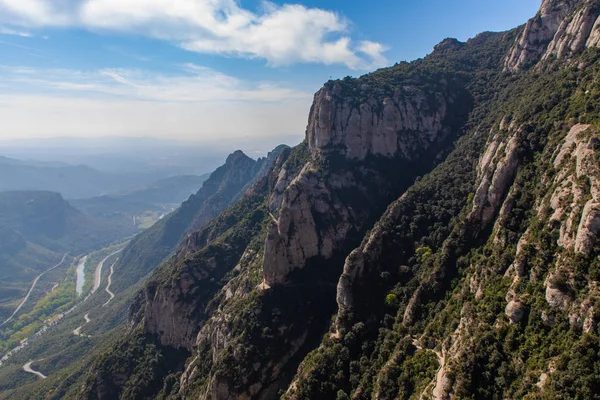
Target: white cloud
{"x": 198, "y": 103}
{"x": 375, "y": 51}
{"x": 193, "y": 84}
{"x": 282, "y": 35}
{"x": 9, "y": 31}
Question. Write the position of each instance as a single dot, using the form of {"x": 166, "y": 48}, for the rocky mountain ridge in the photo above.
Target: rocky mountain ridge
{"x": 434, "y": 236}
{"x": 560, "y": 29}
{"x": 218, "y": 192}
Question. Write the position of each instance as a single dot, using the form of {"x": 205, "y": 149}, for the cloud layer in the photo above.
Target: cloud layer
{"x": 197, "y": 103}
{"x": 193, "y": 83}
{"x": 282, "y": 35}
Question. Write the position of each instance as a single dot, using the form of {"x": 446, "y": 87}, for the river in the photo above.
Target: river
{"x": 80, "y": 275}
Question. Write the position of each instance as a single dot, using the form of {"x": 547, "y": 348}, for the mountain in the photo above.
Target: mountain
{"x": 147, "y": 250}
{"x": 45, "y": 218}
{"x": 144, "y": 206}
{"x": 71, "y": 181}
{"x": 12, "y": 161}
{"x": 172, "y": 190}
{"x": 434, "y": 236}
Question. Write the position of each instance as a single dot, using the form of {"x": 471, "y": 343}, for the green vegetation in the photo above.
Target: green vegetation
{"x": 44, "y": 311}
{"x": 492, "y": 358}
{"x": 36, "y": 230}
{"x": 438, "y": 293}
{"x": 391, "y": 300}
{"x": 153, "y": 246}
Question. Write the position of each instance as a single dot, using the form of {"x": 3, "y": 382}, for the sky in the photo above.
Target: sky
{"x": 207, "y": 70}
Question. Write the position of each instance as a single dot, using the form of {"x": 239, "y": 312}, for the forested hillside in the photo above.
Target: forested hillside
{"x": 434, "y": 236}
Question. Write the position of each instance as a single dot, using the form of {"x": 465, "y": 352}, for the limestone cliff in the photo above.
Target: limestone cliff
{"x": 375, "y": 126}
{"x": 312, "y": 216}
{"x": 561, "y": 29}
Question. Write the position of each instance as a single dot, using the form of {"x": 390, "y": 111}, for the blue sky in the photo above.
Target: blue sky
{"x": 207, "y": 69}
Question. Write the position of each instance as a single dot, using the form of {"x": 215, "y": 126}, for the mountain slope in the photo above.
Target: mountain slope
{"x": 36, "y": 229}
{"x": 172, "y": 190}
{"x": 147, "y": 250}
{"x": 271, "y": 298}
{"x": 45, "y": 218}
{"x": 115, "y": 209}
{"x": 435, "y": 236}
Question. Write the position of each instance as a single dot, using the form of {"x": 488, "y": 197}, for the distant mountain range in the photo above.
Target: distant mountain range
{"x": 81, "y": 181}
{"x": 166, "y": 191}
{"x": 70, "y": 181}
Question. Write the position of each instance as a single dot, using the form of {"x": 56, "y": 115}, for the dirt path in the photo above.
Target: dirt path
{"x": 27, "y": 368}
{"x": 441, "y": 356}
{"x": 35, "y": 281}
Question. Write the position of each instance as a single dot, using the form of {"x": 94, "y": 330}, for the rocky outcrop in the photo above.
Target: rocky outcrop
{"x": 374, "y": 126}
{"x": 558, "y": 294}
{"x": 497, "y": 170}
{"x": 515, "y": 310}
{"x": 577, "y": 180}
{"x": 538, "y": 33}
{"x": 228, "y": 183}
{"x": 589, "y": 228}
{"x": 560, "y": 29}
{"x": 169, "y": 318}
{"x": 354, "y": 121}
{"x": 574, "y": 33}
{"x": 295, "y": 236}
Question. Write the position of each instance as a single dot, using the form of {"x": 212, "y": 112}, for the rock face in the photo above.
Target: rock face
{"x": 375, "y": 126}
{"x": 294, "y": 237}
{"x": 561, "y": 28}
{"x": 538, "y": 33}
{"x": 575, "y": 34}
{"x": 310, "y": 217}
{"x": 556, "y": 295}
{"x": 496, "y": 171}
{"x": 576, "y": 163}
{"x": 515, "y": 310}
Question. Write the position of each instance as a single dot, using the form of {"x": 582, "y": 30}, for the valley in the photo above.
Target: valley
{"x": 98, "y": 301}
{"x": 434, "y": 235}
{"x": 31, "y": 289}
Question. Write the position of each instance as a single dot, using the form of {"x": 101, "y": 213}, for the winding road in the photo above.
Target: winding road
{"x": 98, "y": 274}
{"x": 97, "y": 282}
{"x": 27, "y": 368}
{"x": 107, "y": 289}
{"x": 77, "y": 331}
{"x": 35, "y": 281}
